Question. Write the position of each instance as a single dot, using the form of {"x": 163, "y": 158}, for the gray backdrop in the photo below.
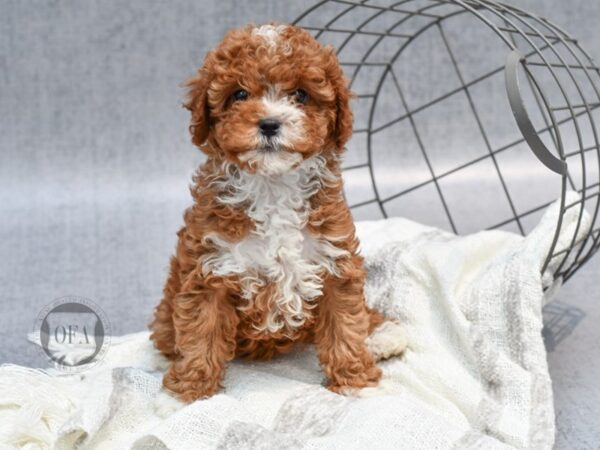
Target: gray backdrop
{"x": 95, "y": 160}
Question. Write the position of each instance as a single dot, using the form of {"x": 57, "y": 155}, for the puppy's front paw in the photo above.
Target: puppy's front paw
{"x": 387, "y": 340}
{"x": 166, "y": 404}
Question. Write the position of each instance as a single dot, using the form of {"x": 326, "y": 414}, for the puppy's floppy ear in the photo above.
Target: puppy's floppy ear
{"x": 343, "y": 120}
{"x": 197, "y": 103}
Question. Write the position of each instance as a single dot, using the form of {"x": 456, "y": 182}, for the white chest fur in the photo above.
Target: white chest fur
{"x": 279, "y": 251}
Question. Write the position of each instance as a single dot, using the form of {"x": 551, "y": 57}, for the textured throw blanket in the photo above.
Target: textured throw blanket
{"x": 474, "y": 374}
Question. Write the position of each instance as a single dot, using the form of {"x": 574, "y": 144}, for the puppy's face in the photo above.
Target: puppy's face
{"x": 268, "y": 97}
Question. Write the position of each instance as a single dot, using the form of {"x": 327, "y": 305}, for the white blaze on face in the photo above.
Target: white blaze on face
{"x": 275, "y": 155}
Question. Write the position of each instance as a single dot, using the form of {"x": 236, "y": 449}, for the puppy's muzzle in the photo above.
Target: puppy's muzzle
{"x": 269, "y": 127}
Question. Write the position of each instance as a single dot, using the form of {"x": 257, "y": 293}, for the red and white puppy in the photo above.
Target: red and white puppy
{"x": 268, "y": 254}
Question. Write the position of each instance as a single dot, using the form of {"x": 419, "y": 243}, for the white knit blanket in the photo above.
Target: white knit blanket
{"x": 474, "y": 374}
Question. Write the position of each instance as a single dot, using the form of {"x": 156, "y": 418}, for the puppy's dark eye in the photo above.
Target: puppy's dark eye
{"x": 240, "y": 95}
{"x": 300, "y": 96}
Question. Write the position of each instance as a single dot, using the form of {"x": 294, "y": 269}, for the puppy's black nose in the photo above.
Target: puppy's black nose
{"x": 269, "y": 127}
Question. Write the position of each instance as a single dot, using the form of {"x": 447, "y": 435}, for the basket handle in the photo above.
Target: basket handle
{"x": 523, "y": 121}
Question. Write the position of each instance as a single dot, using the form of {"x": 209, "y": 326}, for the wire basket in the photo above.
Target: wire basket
{"x": 453, "y": 127}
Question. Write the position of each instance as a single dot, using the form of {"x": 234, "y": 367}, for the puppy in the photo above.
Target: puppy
{"x": 268, "y": 254}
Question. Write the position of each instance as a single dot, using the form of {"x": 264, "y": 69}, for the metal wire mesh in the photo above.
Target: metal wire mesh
{"x": 435, "y": 109}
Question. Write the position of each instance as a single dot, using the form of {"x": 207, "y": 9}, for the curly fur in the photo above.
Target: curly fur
{"x": 267, "y": 257}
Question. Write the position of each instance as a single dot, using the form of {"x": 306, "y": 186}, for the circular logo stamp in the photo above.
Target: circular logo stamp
{"x": 73, "y": 332}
